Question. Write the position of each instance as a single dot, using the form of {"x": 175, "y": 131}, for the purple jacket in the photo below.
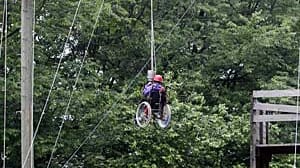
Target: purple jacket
{"x": 152, "y": 87}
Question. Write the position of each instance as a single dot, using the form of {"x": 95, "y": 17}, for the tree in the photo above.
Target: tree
{"x": 211, "y": 58}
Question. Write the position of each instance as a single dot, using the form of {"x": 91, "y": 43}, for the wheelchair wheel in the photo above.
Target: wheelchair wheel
{"x": 143, "y": 114}
{"x": 166, "y": 118}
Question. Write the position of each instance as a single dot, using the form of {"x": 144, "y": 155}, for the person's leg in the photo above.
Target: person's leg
{"x": 162, "y": 103}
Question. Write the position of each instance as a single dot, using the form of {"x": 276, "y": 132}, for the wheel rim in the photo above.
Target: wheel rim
{"x": 164, "y": 123}
{"x": 143, "y": 114}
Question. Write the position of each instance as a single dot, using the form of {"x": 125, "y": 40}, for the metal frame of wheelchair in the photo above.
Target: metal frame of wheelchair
{"x": 145, "y": 113}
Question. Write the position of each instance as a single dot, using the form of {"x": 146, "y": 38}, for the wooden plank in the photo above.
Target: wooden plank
{"x": 266, "y": 149}
{"x": 275, "y": 107}
{"x": 277, "y": 145}
{"x": 276, "y": 93}
{"x": 277, "y": 117}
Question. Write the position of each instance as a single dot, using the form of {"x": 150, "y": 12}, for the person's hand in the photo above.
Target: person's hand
{"x": 162, "y": 89}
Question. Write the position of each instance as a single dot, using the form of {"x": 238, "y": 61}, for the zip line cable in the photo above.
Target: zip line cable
{"x": 75, "y": 84}
{"x": 4, "y": 29}
{"x": 123, "y": 92}
{"x": 297, "y": 115}
{"x": 33, "y": 42}
{"x": 53, "y": 82}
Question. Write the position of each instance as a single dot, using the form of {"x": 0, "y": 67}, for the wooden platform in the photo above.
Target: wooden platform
{"x": 264, "y": 113}
{"x": 264, "y": 152}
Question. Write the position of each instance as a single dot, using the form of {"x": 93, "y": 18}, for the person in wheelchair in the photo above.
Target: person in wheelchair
{"x": 155, "y": 94}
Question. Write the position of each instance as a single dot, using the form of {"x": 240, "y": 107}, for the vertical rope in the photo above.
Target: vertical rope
{"x": 32, "y": 73}
{"x": 152, "y": 41}
{"x": 297, "y": 114}
{"x": 33, "y": 43}
{"x": 5, "y": 72}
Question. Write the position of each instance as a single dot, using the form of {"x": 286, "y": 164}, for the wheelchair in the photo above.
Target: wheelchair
{"x": 153, "y": 107}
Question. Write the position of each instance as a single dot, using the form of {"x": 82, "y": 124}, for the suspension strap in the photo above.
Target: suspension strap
{"x": 153, "y": 60}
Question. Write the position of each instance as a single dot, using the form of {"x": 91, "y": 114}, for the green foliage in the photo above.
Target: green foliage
{"x": 211, "y": 61}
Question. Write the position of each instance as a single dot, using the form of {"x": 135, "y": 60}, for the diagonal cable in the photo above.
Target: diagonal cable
{"x": 75, "y": 84}
{"x": 179, "y": 20}
{"x": 106, "y": 114}
{"x": 53, "y": 82}
{"x": 124, "y": 90}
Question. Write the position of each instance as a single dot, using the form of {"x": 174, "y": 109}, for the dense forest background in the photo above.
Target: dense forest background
{"x": 212, "y": 54}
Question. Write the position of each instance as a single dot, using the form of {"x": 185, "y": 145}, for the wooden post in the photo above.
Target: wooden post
{"x": 254, "y": 136}
{"x": 26, "y": 83}
{"x": 263, "y": 130}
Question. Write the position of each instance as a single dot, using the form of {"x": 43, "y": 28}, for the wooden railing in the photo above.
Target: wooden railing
{"x": 261, "y": 116}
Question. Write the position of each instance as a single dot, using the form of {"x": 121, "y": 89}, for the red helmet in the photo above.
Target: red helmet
{"x": 158, "y": 78}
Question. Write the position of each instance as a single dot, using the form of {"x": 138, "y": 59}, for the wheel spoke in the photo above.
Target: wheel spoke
{"x": 143, "y": 114}
{"x": 165, "y": 121}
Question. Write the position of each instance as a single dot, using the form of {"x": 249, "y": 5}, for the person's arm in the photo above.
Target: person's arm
{"x": 162, "y": 90}
{"x": 147, "y": 89}
{"x": 163, "y": 95}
